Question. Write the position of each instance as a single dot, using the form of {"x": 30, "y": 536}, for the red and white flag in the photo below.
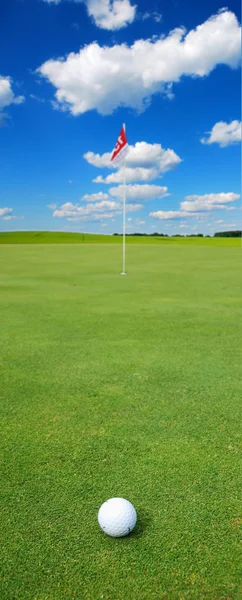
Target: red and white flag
{"x": 121, "y": 148}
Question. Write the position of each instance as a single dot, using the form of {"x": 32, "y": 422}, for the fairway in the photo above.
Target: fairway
{"x": 120, "y": 386}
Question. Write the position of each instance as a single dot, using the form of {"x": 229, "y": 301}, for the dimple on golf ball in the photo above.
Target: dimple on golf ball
{"x": 117, "y": 517}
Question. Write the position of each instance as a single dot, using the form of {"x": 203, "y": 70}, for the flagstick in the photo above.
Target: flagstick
{"x": 124, "y": 202}
{"x": 118, "y": 154}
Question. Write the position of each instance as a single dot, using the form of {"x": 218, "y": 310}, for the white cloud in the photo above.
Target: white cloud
{"x": 111, "y": 14}
{"x": 6, "y": 94}
{"x": 97, "y": 160}
{"x": 99, "y": 216}
{"x": 139, "y": 192}
{"x": 169, "y": 214}
{"x": 224, "y": 134}
{"x": 157, "y": 17}
{"x": 131, "y": 175}
{"x": 107, "y": 14}
{"x": 104, "y": 78}
{"x": 52, "y": 206}
{"x": 5, "y": 212}
{"x": 104, "y": 205}
{"x": 133, "y": 207}
{"x": 195, "y": 205}
{"x": 75, "y": 210}
{"x": 144, "y": 162}
{"x": 91, "y": 212}
{"x": 95, "y": 197}
{"x": 70, "y": 210}
{"x": 208, "y": 202}
{"x": 147, "y": 155}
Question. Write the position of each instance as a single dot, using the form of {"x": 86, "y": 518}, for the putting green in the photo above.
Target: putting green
{"x": 120, "y": 386}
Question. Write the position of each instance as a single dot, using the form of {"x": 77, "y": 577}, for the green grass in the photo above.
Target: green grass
{"x": 120, "y": 386}
{"x": 63, "y": 237}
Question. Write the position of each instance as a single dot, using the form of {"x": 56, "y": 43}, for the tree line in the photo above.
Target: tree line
{"x": 237, "y": 233}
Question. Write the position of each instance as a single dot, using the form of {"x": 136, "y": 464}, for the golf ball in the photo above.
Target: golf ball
{"x": 117, "y": 517}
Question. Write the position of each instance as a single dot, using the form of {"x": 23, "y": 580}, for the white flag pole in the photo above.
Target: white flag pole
{"x": 124, "y": 210}
{"x": 124, "y": 224}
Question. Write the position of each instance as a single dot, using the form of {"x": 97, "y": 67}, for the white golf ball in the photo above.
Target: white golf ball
{"x": 117, "y": 517}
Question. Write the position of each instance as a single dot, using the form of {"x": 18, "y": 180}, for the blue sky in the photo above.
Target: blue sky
{"x": 73, "y": 71}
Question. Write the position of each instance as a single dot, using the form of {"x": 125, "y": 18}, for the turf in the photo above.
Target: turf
{"x": 63, "y": 237}
{"x": 120, "y": 386}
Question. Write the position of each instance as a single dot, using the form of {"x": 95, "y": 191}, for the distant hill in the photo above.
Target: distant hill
{"x": 63, "y": 237}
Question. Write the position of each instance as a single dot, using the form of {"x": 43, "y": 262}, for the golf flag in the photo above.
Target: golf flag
{"x": 121, "y": 148}
{"x": 118, "y": 155}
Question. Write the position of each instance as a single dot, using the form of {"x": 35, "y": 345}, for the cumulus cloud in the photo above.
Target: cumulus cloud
{"x": 106, "y": 209}
{"x": 75, "y": 210}
{"x": 5, "y": 212}
{"x": 99, "y": 160}
{"x": 152, "y": 155}
{"x": 196, "y": 206}
{"x": 139, "y": 192}
{"x": 224, "y": 134}
{"x": 111, "y": 14}
{"x": 7, "y": 97}
{"x": 107, "y": 14}
{"x": 131, "y": 175}
{"x": 208, "y": 202}
{"x": 133, "y": 207}
{"x": 104, "y": 78}
{"x": 169, "y": 214}
{"x": 6, "y": 94}
{"x": 95, "y": 197}
{"x": 144, "y": 161}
